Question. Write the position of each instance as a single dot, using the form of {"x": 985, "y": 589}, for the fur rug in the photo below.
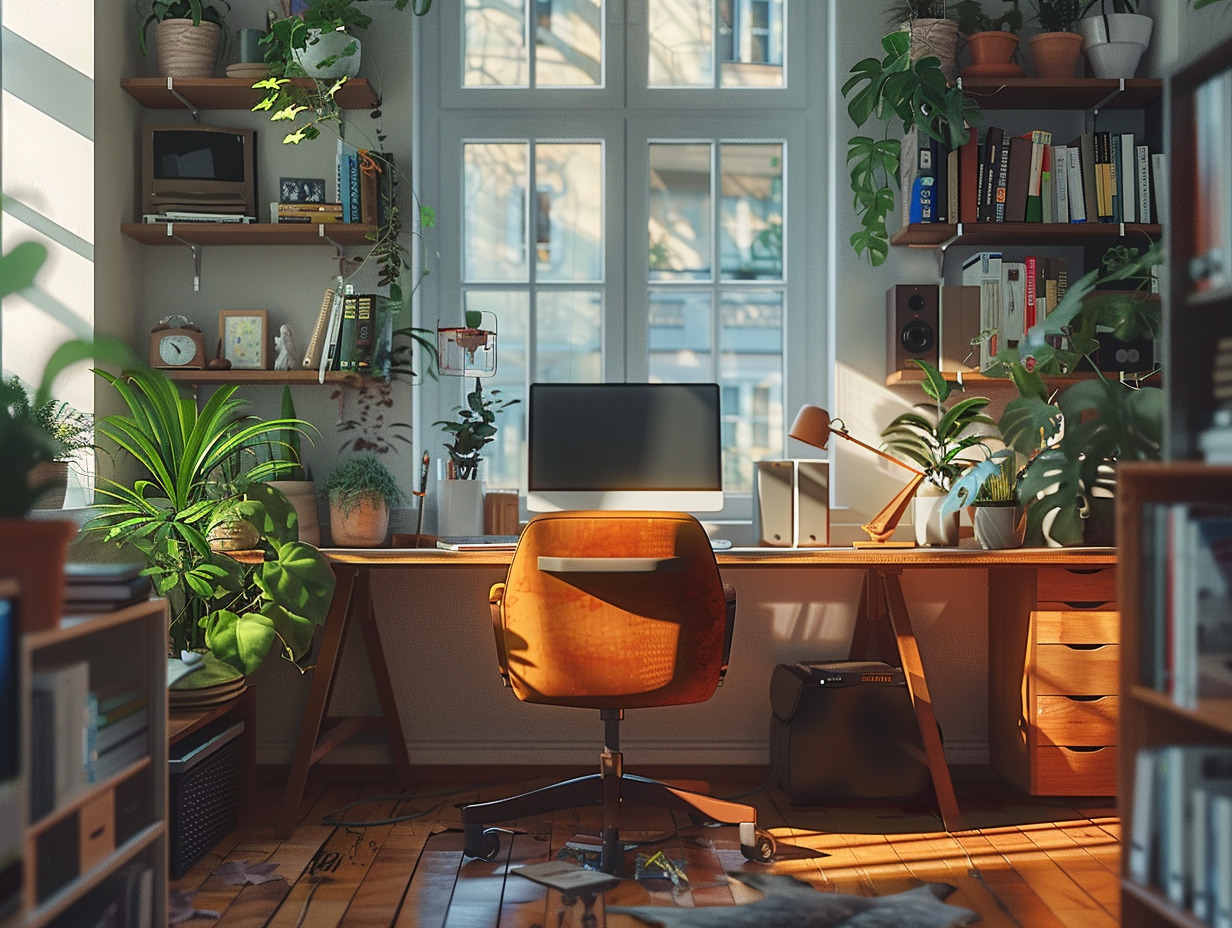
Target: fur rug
{"x": 791, "y": 903}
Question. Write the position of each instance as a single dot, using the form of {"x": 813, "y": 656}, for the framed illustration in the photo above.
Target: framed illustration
{"x": 245, "y": 341}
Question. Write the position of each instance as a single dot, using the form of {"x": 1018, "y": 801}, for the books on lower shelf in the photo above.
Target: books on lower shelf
{"x": 61, "y": 731}
{"x": 1182, "y": 820}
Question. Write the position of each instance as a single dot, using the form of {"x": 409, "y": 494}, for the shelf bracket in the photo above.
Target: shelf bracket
{"x": 196, "y": 252}
{"x": 196, "y": 114}
{"x": 1093, "y": 112}
{"x": 343, "y": 260}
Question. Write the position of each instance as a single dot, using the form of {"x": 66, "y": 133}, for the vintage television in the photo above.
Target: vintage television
{"x": 655, "y": 446}
{"x": 198, "y": 169}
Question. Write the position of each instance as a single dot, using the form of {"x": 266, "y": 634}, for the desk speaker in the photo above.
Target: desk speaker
{"x": 913, "y": 325}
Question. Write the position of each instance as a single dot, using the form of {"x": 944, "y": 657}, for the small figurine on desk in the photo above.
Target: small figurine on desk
{"x": 284, "y": 344}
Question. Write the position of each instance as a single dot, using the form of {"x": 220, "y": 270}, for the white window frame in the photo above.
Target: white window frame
{"x": 446, "y": 114}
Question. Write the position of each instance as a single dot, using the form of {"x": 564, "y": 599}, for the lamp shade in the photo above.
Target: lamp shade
{"x": 812, "y": 426}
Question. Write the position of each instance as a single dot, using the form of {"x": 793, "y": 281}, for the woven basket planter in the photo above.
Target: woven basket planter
{"x": 187, "y": 51}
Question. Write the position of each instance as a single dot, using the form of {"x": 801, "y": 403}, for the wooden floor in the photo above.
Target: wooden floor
{"x": 1021, "y": 862}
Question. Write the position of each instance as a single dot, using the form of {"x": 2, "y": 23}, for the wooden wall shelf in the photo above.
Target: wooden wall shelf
{"x": 249, "y": 233}
{"x": 1038, "y": 93}
{"x": 301, "y": 376}
{"x": 944, "y": 234}
{"x": 229, "y": 93}
{"x": 984, "y": 382}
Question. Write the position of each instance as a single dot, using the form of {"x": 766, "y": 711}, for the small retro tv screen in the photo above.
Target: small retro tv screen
{"x": 202, "y": 169}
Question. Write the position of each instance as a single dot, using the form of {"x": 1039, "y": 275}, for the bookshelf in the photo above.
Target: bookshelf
{"x": 1066, "y": 108}
{"x": 101, "y": 839}
{"x": 229, "y": 93}
{"x": 1198, "y": 313}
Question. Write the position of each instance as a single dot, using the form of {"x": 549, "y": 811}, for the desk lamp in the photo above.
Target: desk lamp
{"x": 813, "y": 427}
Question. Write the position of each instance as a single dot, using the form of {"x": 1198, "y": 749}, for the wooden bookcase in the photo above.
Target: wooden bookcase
{"x": 77, "y": 852}
{"x": 1197, "y": 314}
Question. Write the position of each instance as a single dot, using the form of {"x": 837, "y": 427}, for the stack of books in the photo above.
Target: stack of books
{"x": 97, "y": 587}
{"x": 122, "y": 722}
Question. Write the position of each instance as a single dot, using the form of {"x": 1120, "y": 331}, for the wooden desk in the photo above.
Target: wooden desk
{"x": 885, "y": 628}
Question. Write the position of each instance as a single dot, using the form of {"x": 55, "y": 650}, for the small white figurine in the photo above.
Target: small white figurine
{"x": 284, "y": 344}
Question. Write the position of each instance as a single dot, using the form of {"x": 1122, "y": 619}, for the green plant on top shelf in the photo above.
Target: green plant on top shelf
{"x": 1058, "y": 15}
{"x": 199, "y": 11}
{"x": 972, "y": 17}
{"x": 903, "y": 95}
{"x": 907, "y": 11}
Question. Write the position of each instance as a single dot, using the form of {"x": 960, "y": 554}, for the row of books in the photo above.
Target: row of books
{"x": 350, "y": 333}
{"x": 80, "y": 737}
{"x": 1187, "y": 633}
{"x": 1096, "y": 177}
{"x": 1015, "y": 296}
{"x": 1181, "y": 840}
{"x": 94, "y": 587}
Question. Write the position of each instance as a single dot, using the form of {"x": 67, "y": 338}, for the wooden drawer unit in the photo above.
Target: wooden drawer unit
{"x": 1054, "y": 664}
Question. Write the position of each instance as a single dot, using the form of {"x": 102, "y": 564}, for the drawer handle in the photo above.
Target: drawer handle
{"x": 1086, "y": 647}
{"x": 1083, "y": 749}
{"x": 1084, "y": 570}
{"x": 98, "y": 832}
{"x": 1084, "y": 698}
{"x": 1087, "y": 604}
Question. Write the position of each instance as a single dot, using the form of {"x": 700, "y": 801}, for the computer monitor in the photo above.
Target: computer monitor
{"x": 624, "y": 446}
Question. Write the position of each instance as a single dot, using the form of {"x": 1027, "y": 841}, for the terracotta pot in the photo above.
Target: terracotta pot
{"x": 363, "y": 525}
{"x": 186, "y": 51}
{"x": 302, "y": 495}
{"x": 34, "y": 552}
{"x": 992, "y": 48}
{"x": 1055, "y": 54}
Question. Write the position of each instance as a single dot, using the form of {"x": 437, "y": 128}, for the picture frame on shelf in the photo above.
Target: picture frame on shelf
{"x": 245, "y": 338}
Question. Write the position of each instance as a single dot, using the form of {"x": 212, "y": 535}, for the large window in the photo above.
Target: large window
{"x": 613, "y": 180}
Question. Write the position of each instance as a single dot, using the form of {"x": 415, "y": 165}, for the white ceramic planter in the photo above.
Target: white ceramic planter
{"x": 323, "y": 46}
{"x": 931, "y": 527}
{"x": 459, "y": 507}
{"x": 1114, "y": 42}
{"x": 998, "y": 527}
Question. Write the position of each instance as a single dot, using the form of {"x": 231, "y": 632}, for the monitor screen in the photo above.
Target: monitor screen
{"x": 624, "y": 446}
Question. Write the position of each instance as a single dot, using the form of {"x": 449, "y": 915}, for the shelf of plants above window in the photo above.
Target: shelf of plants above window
{"x": 944, "y": 234}
{"x": 249, "y": 233}
{"x": 1080, "y": 93}
{"x": 231, "y": 93}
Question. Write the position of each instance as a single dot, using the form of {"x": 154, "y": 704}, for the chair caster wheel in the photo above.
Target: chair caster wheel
{"x": 762, "y": 851}
{"x": 484, "y": 846}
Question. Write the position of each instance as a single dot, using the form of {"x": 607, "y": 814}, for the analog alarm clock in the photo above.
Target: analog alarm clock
{"x": 176, "y": 342}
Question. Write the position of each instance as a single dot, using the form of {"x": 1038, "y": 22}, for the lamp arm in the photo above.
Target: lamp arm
{"x": 877, "y": 451}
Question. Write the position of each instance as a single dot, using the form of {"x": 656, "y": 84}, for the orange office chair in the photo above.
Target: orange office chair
{"x": 612, "y": 611}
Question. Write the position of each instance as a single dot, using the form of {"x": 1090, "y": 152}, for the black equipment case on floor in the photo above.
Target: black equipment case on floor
{"x": 844, "y": 730}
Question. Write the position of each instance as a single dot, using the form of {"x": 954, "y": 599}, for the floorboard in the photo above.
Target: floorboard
{"x": 395, "y": 861}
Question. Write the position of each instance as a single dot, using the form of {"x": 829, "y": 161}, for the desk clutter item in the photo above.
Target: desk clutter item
{"x": 793, "y": 503}
{"x": 845, "y": 730}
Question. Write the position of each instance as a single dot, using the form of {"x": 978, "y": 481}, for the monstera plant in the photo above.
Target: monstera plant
{"x": 200, "y": 470}
{"x": 1074, "y": 439}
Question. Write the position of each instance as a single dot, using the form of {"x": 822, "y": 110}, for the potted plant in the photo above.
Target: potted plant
{"x": 318, "y": 38}
{"x": 1074, "y": 440}
{"x": 67, "y": 429}
{"x": 992, "y": 40}
{"x": 361, "y": 491}
{"x": 904, "y": 95}
{"x": 193, "y": 481}
{"x": 188, "y": 34}
{"x": 1055, "y": 50}
{"x": 937, "y": 438}
{"x": 460, "y": 494}
{"x": 1114, "y": 36}
{"x": 990, "y": 487}
{"x": 294, "y": 482}
{"x": 933, "y": 30}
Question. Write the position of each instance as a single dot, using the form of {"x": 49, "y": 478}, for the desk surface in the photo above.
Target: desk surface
{"x": 854, "y": 558}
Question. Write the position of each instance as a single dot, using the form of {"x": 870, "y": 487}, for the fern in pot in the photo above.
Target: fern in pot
{"x": 361, "y": 491}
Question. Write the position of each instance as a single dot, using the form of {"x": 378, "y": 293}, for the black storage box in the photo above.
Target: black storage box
{"x": 844, "y": 730}
{"x": 203, "y": 781}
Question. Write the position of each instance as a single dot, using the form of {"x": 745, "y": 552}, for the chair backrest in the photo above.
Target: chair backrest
{"x": 613, "y": 610}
